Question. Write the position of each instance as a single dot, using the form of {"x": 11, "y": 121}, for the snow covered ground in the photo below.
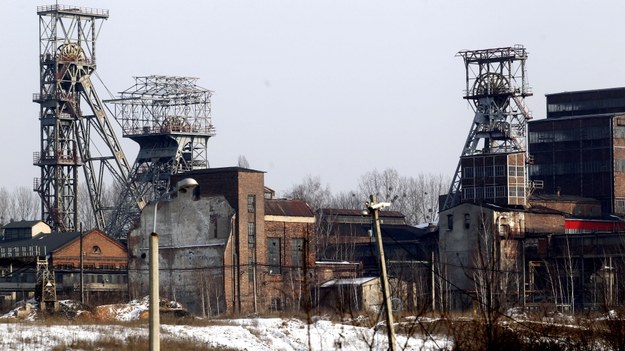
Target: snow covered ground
{"x": 239, "y": 334}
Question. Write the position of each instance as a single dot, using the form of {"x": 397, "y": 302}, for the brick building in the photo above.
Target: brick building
{"x": 289, "y": 247}
{"x": 104, "y": 262}
{"x": 579, "y": 148}
{"x": 228, "y": 247}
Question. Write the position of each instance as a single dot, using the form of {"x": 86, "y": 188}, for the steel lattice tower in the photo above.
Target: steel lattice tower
{"x": 72, "y": 117}
{"x": 496, "y": 85}
{"x": 170, "y": 118}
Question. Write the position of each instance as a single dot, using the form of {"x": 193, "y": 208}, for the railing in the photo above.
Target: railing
{"x": 73, "y": 9}
{"x": 147, "y": 130}
{"x": 61, "y": 159}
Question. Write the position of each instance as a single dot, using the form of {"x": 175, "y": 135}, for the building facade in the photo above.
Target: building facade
{"x": 103, "y": 266}
{"x": 579, "y": 149}
{"x": 193, "y": 234}
{"x": 289, "y": 275}
{"x": 227, "y": 246}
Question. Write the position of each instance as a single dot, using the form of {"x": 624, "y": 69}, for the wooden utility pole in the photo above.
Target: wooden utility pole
{"x": 374, "y": 207}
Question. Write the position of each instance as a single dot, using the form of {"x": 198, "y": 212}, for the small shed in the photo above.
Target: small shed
{"x": 351, "y": 294}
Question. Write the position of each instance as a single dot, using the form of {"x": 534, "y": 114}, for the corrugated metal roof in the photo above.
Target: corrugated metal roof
{"x": 292, "y": 208}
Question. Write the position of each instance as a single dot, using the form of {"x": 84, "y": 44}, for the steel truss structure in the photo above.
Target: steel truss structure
{"x": 72, "y": 117}
{"x": 170, "y": 118}
{"x": 496, "y": 85}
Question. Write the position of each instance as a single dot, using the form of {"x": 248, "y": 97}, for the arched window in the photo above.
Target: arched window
{"x": 96, "y": 249}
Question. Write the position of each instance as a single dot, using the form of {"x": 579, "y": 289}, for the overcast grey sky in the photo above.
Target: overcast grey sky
{"x": 328, "y": 88}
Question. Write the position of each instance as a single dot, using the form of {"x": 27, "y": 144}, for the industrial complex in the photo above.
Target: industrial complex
{"x": 534, "y": 215}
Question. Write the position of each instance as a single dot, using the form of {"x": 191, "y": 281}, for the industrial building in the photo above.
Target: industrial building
{"x": 346, "y": 236}
{"x": 30, "y": 261}
{"x": 537, "y": 224}
{"x": 227, "y": 246}
{"x": 578, "y": 148}
{"x": 524, "y": 207}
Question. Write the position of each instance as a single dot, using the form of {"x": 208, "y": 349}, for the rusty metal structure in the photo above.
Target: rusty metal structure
{"x": 492, "y": 164}
{"x": 74, "y": 124}
{"x": 170, "y": 118}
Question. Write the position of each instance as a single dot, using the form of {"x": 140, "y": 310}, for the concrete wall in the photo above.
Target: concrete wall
{"x": 493, "y": 227}
{"x": 193, "y": 234}
{"x": 235, "y": 184}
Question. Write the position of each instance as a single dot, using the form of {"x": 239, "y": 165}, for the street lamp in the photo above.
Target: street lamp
{"x": 154, "y": 324}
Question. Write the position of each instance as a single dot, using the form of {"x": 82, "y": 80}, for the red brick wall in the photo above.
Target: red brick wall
{"x": 544, "y": 223}
{"x": 111, "y": 254}
{"x": 290, "y": 285}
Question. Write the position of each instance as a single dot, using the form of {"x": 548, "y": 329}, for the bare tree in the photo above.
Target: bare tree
{"x": 5, "y": 205}
{"x": 23, "y": 204}
{"x": 312, "y": 191}
{"x": 386, "y": 185}
{"x": 415, "y": 197}
{"x": 350, "y": 200}
{"x": 86, "y": 217}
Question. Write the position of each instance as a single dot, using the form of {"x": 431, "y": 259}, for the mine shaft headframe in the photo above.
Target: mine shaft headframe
{"x": 164, "y": 104}
{"x": 78, "y": 27}
{"x": 497, "y": 73}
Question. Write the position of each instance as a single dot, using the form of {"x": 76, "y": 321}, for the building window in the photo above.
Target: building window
{"x": 297, "y": 252}
{"x": 273, "y": 255}
{"x": 276, "y": 304}
{"x": 96, "y": 250}
{"x": 489, "y": 171}
{"x": 500, "y": 191}
{"x": 479, "y": 193}
{"x": 489, "y": 192}
{"x": 500, "y": 170}
{"x": 251, "y": 203}
{"x": 468, "y": 172}
{"x": 251, "y": 234}
{"x": 450, "y": 222}
{"x": 467, "y": 221}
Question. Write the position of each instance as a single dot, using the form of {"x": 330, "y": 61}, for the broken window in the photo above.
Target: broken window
{"x": 297, "y": 252}
{"x": 251, "y": 203}
{"x": 273, "y": 255}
